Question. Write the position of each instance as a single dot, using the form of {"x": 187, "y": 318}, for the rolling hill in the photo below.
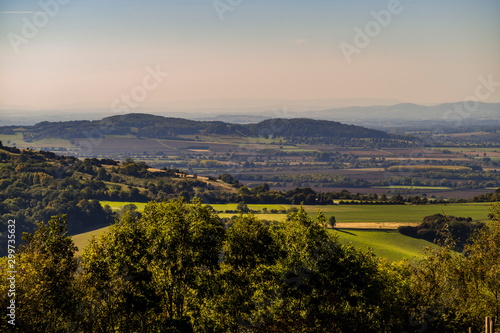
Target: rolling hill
{"x": 159, "y": 127}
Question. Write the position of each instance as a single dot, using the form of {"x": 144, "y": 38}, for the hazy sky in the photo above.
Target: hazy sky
{"x": 91, "y": 52}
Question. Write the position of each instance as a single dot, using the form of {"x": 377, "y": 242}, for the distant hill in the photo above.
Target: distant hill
{"x": 387, "y": 116}
{"x": 371, "y": 116}
{"x": 408, "y": 112}
{"x": 302, "y": 127}
{"x": 159, "y": 127}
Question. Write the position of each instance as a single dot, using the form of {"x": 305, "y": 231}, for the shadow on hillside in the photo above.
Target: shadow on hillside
{"x": 346, "y": 232}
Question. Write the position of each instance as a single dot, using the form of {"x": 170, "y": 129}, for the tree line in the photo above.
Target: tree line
{"x": 178, "y": 268}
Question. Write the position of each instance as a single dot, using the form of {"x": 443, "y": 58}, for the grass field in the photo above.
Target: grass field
{"x": 18, "y": 140}
{"x": 359, "y": 213}
{"x": 400, "y": 213}
{"x": 117, "y": 205}
{"x": 384, "y": 243}
{"x": 82, "y": 240}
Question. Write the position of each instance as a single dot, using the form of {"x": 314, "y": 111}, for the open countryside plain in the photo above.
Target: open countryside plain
{"x": 357, "y": 213}
{"x": 284, "y": 164}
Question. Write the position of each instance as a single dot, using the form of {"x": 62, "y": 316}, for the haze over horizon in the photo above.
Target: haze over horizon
{"x": 90, "y": 54}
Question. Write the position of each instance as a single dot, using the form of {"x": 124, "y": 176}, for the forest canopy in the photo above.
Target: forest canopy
{"x": 178, "y": 269}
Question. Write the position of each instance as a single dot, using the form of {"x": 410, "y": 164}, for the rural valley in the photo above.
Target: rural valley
{"x": 233, "y": 166}
{"x": 386, "y": 199}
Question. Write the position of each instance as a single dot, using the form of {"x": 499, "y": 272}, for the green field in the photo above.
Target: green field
{"x": 117, "y": 205}
{"x": 400, "y": 213}
{"x": 359, "y": 213}
{"x": 384, "y": 243}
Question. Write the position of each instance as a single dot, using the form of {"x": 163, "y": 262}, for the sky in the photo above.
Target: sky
{"x": 190, "y": 53}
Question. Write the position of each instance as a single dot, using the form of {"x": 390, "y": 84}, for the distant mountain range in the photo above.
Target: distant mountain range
{"x": 360, "y": 115}
{"x": 414, "y": 112}
{"x": 399, "y": 113}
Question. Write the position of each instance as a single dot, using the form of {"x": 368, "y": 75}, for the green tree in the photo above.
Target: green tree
{"x": 45, "y": 293}
{"x": 332, "y": 221}
{"x": 248, "y": 243}
{"x": 131, "y": 209}
{"x": 483, "y": 267}
{"x": 321, "y": 284}
{"x": 455, "y": 291}
{"x": 116, "y": 281}
{"x": 242, "y": 208}
{"x": 246, "y": 276}
{"x": 227, "y": 178}
{"x": 152, "y": 272}
{"x": 244, "y": 191}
